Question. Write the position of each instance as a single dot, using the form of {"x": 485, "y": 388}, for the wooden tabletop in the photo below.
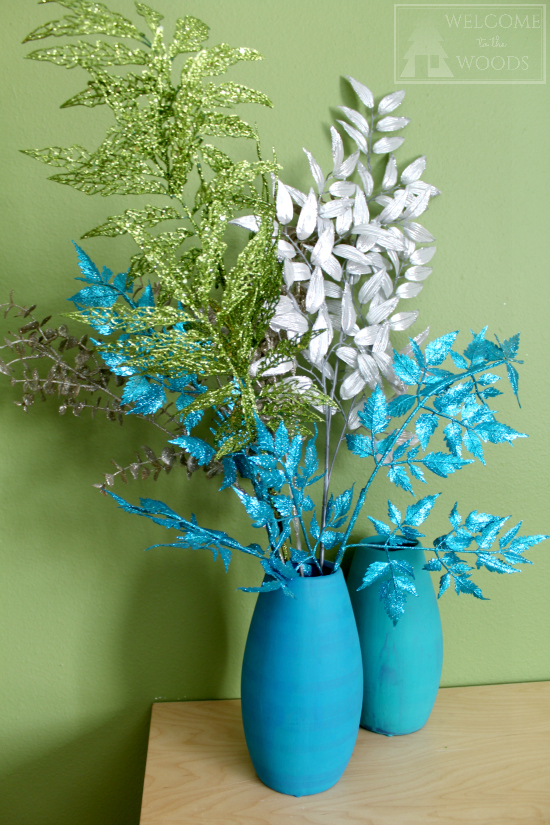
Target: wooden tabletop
{"x": 483, "y": 757}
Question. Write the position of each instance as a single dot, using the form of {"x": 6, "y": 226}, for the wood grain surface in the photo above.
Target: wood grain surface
{"x": 483, "y": 757}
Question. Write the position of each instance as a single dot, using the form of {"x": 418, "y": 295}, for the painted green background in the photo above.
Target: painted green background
{"x": 93, "y": 630}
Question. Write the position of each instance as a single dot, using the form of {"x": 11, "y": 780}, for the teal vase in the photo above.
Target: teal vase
{"x": 302, "y": 685}
{"x": 401, "y": 664}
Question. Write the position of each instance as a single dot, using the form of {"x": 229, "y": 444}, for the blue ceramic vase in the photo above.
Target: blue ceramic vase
{"x": 401, "y": 664}
{"x": 302, "y": 685}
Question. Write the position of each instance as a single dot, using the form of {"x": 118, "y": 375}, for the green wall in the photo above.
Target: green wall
{"x": 92, "y": 629}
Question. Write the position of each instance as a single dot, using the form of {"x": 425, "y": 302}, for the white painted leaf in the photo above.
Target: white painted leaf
{"x": 285, "y": 250}
{"x": 363, "y": 92}
{"x": 402, "y": 320}
{"x": 382, "y": 338}
{"x": 409, "y": 290}
{"x": 367, "y": 336}
{"x": 357, "y": 119}
{"x": 351, "y": 253}
{"x": 367, "y": 368}
{"x": 417, "y": 233}
{"x": 418, "y": 339}
{"x": 390, "y": 102}
{"x": 348, "y": 355}
{"x": 315, "y": 295}
{"x": 352, "y": 385}
{"x": 420, "y": 186}
{"x": 284, "y": 205}
{"x": 387, "y": 145}
{"x": 333, "y": 290}
{"x": 356, "y": 270}
{"x": 347, "y": 167}
{"x": 300, "y": 383}
{"x": 308, "y": 217}
{"x": 390, "y": 174}
{"x": 381, "y": 236}
{"x": 392, "y": 124}
{"x": 302, "y": 272}
{"x": 386, "y": 285}
{"x": 354, "y": 422}
{"x": 356, "y": 135}
{"x": 322, "y": 224}
{"x": 422, "y": 256}
{"x": 371, "y": 287}
{"x": 380, "y": 313}
{"x": 420, "y": 204}
{"x": 395, "y": 208}
{"x": 288, "y": 272}
{"x": 366, "y": 179}
{"x": 289, "y": 318}
{"x": 414, "y": 170}
{"x": 316, "y": 171}
{"x": 418, "y": 273}
{"x": 249, "y": 222}
{"x": 384, "y": 364}
{"x": 318, "y": 346}
{"x": 349, "y": 316}
{"x": 332, "y": 267}
{"x": 344, "y": 221}
{"x": 279, "y": 369}
{"x": 365, "y": 242}
{"x": 323, "y": 247}
{"x": 342, "y": 189}
{"x": 337, "y": 148}
{"x": 332, "y": 209}
{"x": 360, "y": 208}
{"x": 298, "y": 197}
{"x": 394, "y": 258}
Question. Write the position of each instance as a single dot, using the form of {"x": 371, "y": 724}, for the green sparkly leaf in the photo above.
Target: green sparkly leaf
{"x": 56, "y": 156}
{"x": 132, "y": 220}
{"x": 216, "y": 61}
{"x": 152, "y": 17}
{"x": 89, "y": 56}
{"x": 229, "y": 94}
{"x": 189, "y": 35}
{"x": 89, "y": 18}
{"x": 219, "y": 125}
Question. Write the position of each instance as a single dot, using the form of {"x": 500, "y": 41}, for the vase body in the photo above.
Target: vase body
{"x": 302, "y": 685}
{"x": 401, "y": 664}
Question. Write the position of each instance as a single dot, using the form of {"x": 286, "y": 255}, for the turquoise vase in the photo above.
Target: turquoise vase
{"x": 302, "y": 685}
{"x": 401, "y": 664}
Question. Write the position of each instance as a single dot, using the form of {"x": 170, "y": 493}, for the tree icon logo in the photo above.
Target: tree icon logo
{"x": 426, "y": 57}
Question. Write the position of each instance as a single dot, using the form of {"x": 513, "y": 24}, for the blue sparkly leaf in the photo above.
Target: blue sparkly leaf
{"x": 432, "y": 565}
{"x": 120, "y": 281}
{"x": 464, "y": 585}
{"x": 381, "y": 528}
{"x": 374, "y": 414}
{"x": 454, "y": 517}
{"x": 402, "y": 567}
{"x": 476, "y": 522}
{"x": 513, "y": 378}
{"x": 341, "y": 504}
{"x": 394, "y": 600}
{"x": 417, "y": 473}
{"x": 284, "y": 505}
{"x": 511, "y": 346}
{"x": 314, "y": 528}
{"x": 493, "y": 564}
{"x": 496, "y": 433}
{"x": 453, "y": 438}
{"x": 95, "y": 296}
{"x": 444, "y": 583}
{"x": 473, "y": 445}
{"x": 360, "y": 445}
{"x": 393, "y": 514}
{"x": 406, "y": 369}
{"x": 374, "y": 571}
{"x": 450, "y": 401}
{"x": 264, "y": 439}
{"x": 329, "y": 538}
{"x": 266, "y": 587}
{"x": 281, "y": 442}
{"x": 147, "y": 298}
{"x": 399, "y": 477}
{"x": 459, "y": 360}
{"x": 190, "y": 421}
{"x": 146, "y": 397}
{"x": 294, "y": 455}
{"x": 437, "y": 351}
{"x": 406, "y": 585}
{"x": 523, "y": 542}
{"x": 515, "y": 558}
{"x": 488, "y": 378}
{"x": 509, "y": 535}
{"x": 490, "y": 532}
{"x": 418, "y": 513}
{"x": 425, "y": 427}
{"x": 491, "y": 392}
{"x": 259, "y": 511}
{"x": 87, "y": 266}
{"x": 443, "y": 464}
{"x": 400, "y": 405}
{"x": 229, "y": 472}
{"x": 410, "y": 532}
{"x": 475, "y": 350}
{"x": 417, "y": 352}
{"x": 135, "y": 388}
{"x": 307, "y": 504}
{"x": 196, "y": 447}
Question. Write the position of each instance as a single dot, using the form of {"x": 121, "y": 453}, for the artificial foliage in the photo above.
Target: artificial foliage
{"x": 236, "y": 363}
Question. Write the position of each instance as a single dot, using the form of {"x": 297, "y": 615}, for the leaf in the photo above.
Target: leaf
{"x": 509, "y": 535}
{"x": 493, "y": 564}
{"x": 384, "y": 145}
{"x": 199, "y": 449}
{"x": 417, "y": 513}
{"x": 89, "y": 18}
{"x": 381, "y": 528}
{"x": 316, "y": 171}
{"x": 432, "y": 566}
{"x": 399, "y": 477}
{"x": 424, "y": 427}
{"x": 453, "y": 438}
{"x": 374, "y": 415}
{"x": 405, "y": 585}
{"x": 400, "y": 405}
{"x": 406, "y": 369}
{"x": 363, "y": 92}
{"x": 444, "y": 583}
{"x": 513, "y": 378}
{"x": 133, "y": 220}
{"x": 390, "y": 102}
{"x": 373, "y": 572}
{"x": 392, "y": 124}
{"x": 393, "y": 514}
{"x": 437, "y": 351}
{"x": 360, "y": 445}
{"x": 442, "y": 464}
